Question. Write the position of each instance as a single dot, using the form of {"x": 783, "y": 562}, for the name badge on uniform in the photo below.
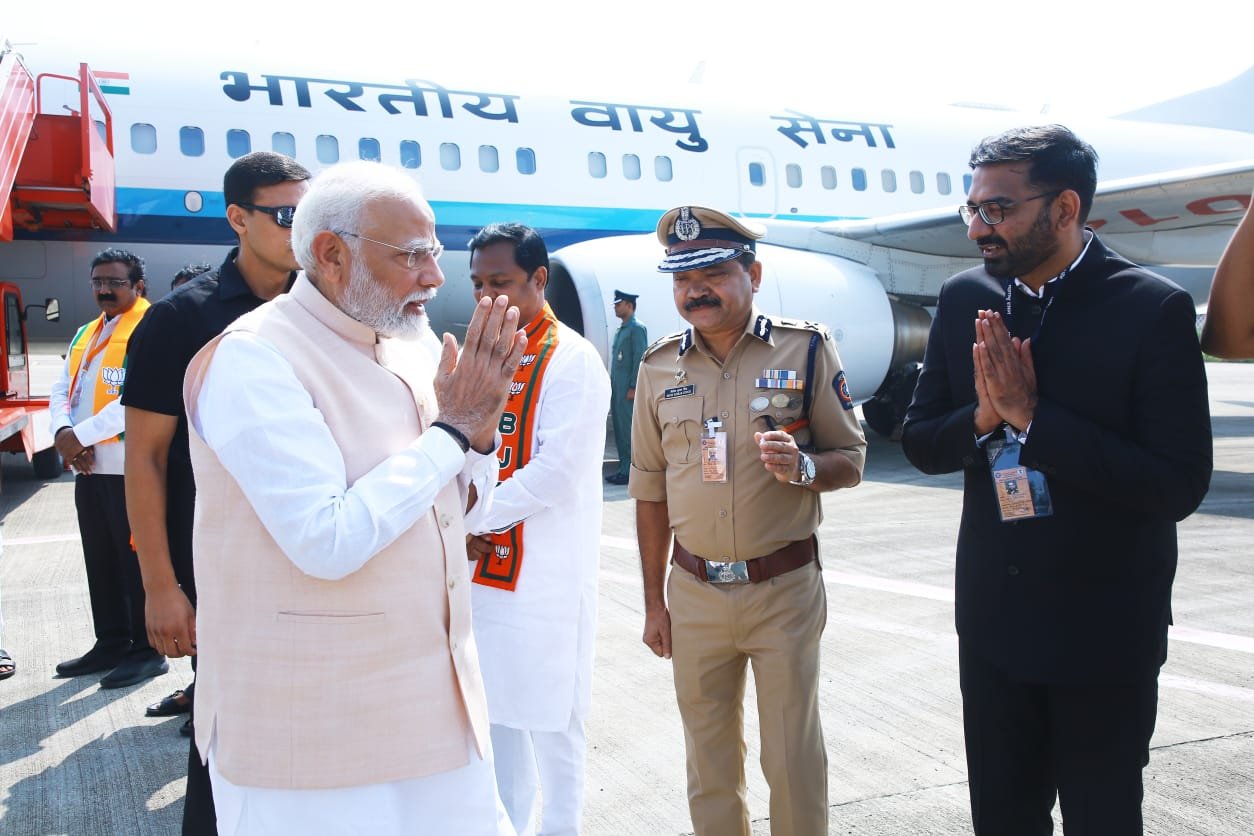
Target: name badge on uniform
{"x": 714, "y": 452}
{"x": 1022, "y": 493}
{"x": 679, "y": 392}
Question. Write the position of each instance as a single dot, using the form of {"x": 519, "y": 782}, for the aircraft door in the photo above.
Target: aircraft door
{"x": 756, "y": 182}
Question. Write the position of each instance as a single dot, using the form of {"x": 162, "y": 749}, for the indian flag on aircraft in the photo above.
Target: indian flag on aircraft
{"x": 118, "y": 84}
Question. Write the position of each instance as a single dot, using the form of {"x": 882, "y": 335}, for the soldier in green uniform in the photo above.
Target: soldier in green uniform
{"x": 740, "y": 423}
{"x": 629, "y": 343}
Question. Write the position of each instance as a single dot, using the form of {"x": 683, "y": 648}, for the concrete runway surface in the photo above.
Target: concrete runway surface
{"x": 78, "y": 760}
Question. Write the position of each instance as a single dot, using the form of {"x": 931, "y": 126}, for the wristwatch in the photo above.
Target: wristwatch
{"x": 806, "y": 465}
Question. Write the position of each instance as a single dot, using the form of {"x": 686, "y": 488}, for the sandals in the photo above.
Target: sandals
{"x": 7, "y": 666}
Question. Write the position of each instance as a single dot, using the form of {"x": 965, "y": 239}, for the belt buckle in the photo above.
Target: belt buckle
{"x": 731, "y": 572}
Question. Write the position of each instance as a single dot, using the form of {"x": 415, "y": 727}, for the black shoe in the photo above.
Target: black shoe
{"x": 187, "y": 729}
{"x": 173, "y": 705}
{"x": 133, "y": 670}
{"x": 617, "y": 478}
{"x": 97, "y": 659}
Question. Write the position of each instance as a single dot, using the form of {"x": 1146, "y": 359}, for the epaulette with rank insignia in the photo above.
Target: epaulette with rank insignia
{"x": 661, "y": 342}
{"x": 802, "y": 325}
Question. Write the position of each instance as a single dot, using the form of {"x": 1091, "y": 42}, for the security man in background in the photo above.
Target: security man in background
{"x": 630, "y": 341}
{"x": 740, "y": 423}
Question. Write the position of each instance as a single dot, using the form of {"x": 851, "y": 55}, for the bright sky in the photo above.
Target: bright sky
{"x": 1076, "y": 56}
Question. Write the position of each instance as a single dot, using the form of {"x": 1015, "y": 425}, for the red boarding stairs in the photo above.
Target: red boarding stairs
{"x": 56, "y": 171}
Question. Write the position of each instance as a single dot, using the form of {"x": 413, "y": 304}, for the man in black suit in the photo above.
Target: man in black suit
{"x": 1068, "y": 386}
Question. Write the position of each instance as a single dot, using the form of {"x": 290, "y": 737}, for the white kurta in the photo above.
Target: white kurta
{"x": 536, "y": 643}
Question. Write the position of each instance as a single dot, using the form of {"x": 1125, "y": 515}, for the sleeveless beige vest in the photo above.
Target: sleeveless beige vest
{"x": 306, "y": 683}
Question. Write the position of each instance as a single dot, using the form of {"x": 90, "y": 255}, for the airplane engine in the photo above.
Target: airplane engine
{"x": 880, "y": 339}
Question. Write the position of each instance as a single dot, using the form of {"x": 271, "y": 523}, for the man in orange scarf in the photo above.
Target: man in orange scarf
{"x": 87, "y": 423}
{"x": 535, "y": 587}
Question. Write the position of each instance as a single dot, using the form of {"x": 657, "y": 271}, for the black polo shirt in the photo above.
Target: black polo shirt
{"x": 157, "y": 357}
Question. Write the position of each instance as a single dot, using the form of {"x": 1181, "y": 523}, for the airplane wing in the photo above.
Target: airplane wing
{"x": 1182, "y": 217}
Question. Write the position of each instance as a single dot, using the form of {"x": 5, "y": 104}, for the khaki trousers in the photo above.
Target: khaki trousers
{"x": 776, "y": 626}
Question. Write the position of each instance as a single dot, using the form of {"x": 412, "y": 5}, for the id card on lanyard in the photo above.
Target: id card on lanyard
{"x": 1022, "y": 493}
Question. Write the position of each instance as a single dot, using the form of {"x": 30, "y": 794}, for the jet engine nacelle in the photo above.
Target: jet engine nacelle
{"x": 874, "y": 334}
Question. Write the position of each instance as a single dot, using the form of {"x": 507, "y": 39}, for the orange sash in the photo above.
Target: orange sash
{"x": 518, "y": 427}
{"x": 84, "y": 348}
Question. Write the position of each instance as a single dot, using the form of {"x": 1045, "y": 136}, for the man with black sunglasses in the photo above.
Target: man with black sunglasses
{"x": 1068, "y": 386}
{"x": 261, "y": 191}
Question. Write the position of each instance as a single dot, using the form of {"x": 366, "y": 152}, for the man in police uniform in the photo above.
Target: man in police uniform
{"x": 740, "y": 423}
{"x": 630, "y": 341}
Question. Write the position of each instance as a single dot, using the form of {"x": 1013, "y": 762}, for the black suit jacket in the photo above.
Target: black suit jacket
{"x": 1122, "y": 433}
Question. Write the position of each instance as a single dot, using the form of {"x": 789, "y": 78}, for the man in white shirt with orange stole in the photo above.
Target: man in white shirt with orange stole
{"x": 87, "y": 420}
{"x": 535, "y": 589}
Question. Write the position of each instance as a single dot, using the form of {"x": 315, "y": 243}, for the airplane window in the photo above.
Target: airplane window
{"x": 792, "y": 174}
{"x": 238, "y": 142}
{"x": 916, "y": 182}
{"x": 942, "y": 183}
{"x": 858, "y": 176}
{"x": 662, "y": 169}
{"x": 526, "y": 160}
{"x": 328, "y": 149}
{"x": 143, "y": 138}
{"x": 888, "y": 179}
{"x": 966, "y": 184}
{"x": 283, "y": 143}
{"x": 828, "y": 175}
{"x": 596, "y": 164}
{"x": 411, "y": 154}
{"x": 368, "y": 149}
{"x": 489, "y": 159}
{"x": 631, "y": 166}
{"x": 191, "y": 141}
{"x": 757, "y": 174}
{"x": 450, "y": 156}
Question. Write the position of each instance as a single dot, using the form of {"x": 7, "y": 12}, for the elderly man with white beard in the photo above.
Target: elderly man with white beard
{"x": 336, "y": 466}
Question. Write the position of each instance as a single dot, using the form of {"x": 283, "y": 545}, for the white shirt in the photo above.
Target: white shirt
{"x": 536, "y": 643}
{"x": 74, "y": 410}
{"x": 280, "y": 451}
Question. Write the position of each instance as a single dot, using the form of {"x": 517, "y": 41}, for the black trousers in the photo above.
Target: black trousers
{"x": 113, "y": 580}
{"x": 1028, "y": 743}
{"x": 199, "y": 816}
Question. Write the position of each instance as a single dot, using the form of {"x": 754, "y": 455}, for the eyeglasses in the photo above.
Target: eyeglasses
{"x": 416, "y": 254}
{"x": 282, "y": 215}
{"x": 112, "y": 284}
{"x": 993, "y": 212}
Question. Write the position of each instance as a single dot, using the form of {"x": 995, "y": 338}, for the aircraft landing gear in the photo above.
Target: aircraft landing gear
{"x": 885, "y": 412}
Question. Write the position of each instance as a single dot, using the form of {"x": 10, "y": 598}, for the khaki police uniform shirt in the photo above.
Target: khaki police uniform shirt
{"x": 681, "y": 386}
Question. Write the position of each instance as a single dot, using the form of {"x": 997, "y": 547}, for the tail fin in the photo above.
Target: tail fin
{"x": 1225, "y": 105}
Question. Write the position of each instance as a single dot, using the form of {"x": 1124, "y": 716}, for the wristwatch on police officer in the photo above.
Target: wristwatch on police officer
{"x": 806, "y": 465}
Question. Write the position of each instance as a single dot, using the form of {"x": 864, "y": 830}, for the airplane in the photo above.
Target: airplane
{"x": 859, "y": 202}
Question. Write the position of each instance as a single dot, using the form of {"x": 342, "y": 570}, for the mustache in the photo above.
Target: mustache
{"x": 702, "y": 302}
{"x": 106, "y": 297}
{"x": 990, "y": 240}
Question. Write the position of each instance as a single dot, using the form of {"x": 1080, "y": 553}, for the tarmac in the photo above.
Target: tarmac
{"x": 75, "y": 759}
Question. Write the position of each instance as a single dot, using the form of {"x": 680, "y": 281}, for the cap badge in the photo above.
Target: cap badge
{"x": 687, "y": 228}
